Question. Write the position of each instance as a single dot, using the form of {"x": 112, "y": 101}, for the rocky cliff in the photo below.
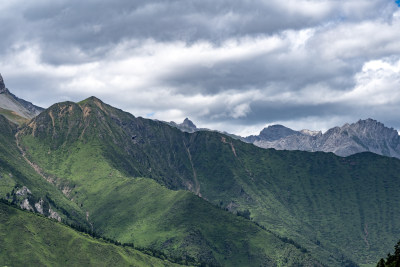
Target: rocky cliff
{"x": 364, "y": 135}
{"x": 186, "y": 126}
{"x": 3, "y": 88}
{"x": 14, "y": 108}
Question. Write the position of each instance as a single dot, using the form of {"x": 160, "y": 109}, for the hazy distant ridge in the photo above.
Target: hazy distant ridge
{"x": 364, "y": 135}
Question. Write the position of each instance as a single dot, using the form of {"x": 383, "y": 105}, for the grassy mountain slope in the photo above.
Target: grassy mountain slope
{"x": 344, "y": 205}
{"x": 16, "y": 175}
{"x": 75, "y": 148}
{"x": 30, "y": 240}
{"x": 338, "y": 208}
{"x": 13, "y": 116}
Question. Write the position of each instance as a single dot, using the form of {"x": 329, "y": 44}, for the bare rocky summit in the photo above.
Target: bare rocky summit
{"x": 11, "y": 104}
{"x": 186, "y": 126}
{"x": 3, "y": 88}
{"x": 364, "y": 135}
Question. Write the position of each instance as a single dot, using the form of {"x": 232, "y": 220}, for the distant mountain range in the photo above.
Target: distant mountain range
{"x": 16, "y": 109}
{"x": 193, "y": 197}
{"x": 128, "y": 179}
{"x": 189, "y": 127}
{"x": 362, "y": 136}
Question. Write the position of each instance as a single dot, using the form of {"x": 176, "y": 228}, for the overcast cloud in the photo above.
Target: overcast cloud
{"x": 228, "y": 65}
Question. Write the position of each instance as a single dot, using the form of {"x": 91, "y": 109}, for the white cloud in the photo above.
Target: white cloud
{"x": 329, "y": 55}
{"x": 377, "y": 84}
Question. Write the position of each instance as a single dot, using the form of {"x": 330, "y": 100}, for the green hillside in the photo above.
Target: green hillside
{"x": 347, "y": 206}
{"x": 140, "y": 210}
{"x": 30, "y": 240}
{"x": 339, "y": 209}
{"x": 20, "y": 183}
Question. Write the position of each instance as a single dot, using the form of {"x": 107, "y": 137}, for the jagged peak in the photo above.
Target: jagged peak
{"x": 189, "y": 123}
{"x": 369, "y": 123}
{"x": 368, "y": 120}
{"x": 1, "y": 82}
{"x": 3, "y": 88}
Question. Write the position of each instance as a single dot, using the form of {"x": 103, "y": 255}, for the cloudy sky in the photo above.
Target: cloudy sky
{"x": 228, "y": 65}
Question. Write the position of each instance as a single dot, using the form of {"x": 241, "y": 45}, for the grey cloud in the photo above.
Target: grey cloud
{"x": 41, "y": 89}
{"x": 263, "y": 112}
{"x": 270, "y": 72}
{"x": 76, "y": 32}
{"x": 93, "y": 27}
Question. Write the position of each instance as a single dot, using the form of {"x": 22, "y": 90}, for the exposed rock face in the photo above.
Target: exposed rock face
{"x": 25, "y": 205}
{"x": 310, "y": 133}
{"x": 364, "y": 135}
{"x": 273, "y": 133}
{"x": 23, "y": 196}
{"x": 189, "y": 127}
{"x": 24, "y": 191}
{"x": 9, "y": 101}
{"x": 39, "y": 206}
{"x": 186, "y": 126}
{"x": 189, "y": 124}
{"x": 54, "y": 215}
{"x": 3, "y": 88}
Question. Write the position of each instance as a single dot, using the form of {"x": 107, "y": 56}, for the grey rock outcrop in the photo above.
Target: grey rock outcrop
{"x": 364, "y": 135}
{"x": 186, "y": 126}
{"x": 9, "y": 101}
{"x": 24, "y": 191}
{"x": 25, "y": 205}
{"x": 189, "y": 127}
{"x": 3, "y": 88}
{"x": 273, "y": 133}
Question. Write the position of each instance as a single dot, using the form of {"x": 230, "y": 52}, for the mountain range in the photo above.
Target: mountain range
{"x": 199, "y": 198}
{"x": 364, "y": 135}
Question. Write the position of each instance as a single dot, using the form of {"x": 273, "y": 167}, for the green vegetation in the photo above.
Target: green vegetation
{"x": 30, "y": 240}
{"x": 345, "y": 207}
{"x": 391, "y": 260}
{"x": 16, "y": 173}
{"x": 343, "y": 211}
{"x": 75, "y": 148}
{"x": 13, "y": 116}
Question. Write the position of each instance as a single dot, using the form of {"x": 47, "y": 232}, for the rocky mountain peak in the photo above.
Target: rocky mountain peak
{"x": 188, "y": 123}
{"x": 276, "y": 132}
{"x": 20, "y": 107}
{"x": 373, "y": 129}
{"x": 367, "y": 122}
{"x": 3, "y": 88}
{"x": 1, "y": 82}
{"x": 186, "y": 126}
{"x": 363, "y": 135}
